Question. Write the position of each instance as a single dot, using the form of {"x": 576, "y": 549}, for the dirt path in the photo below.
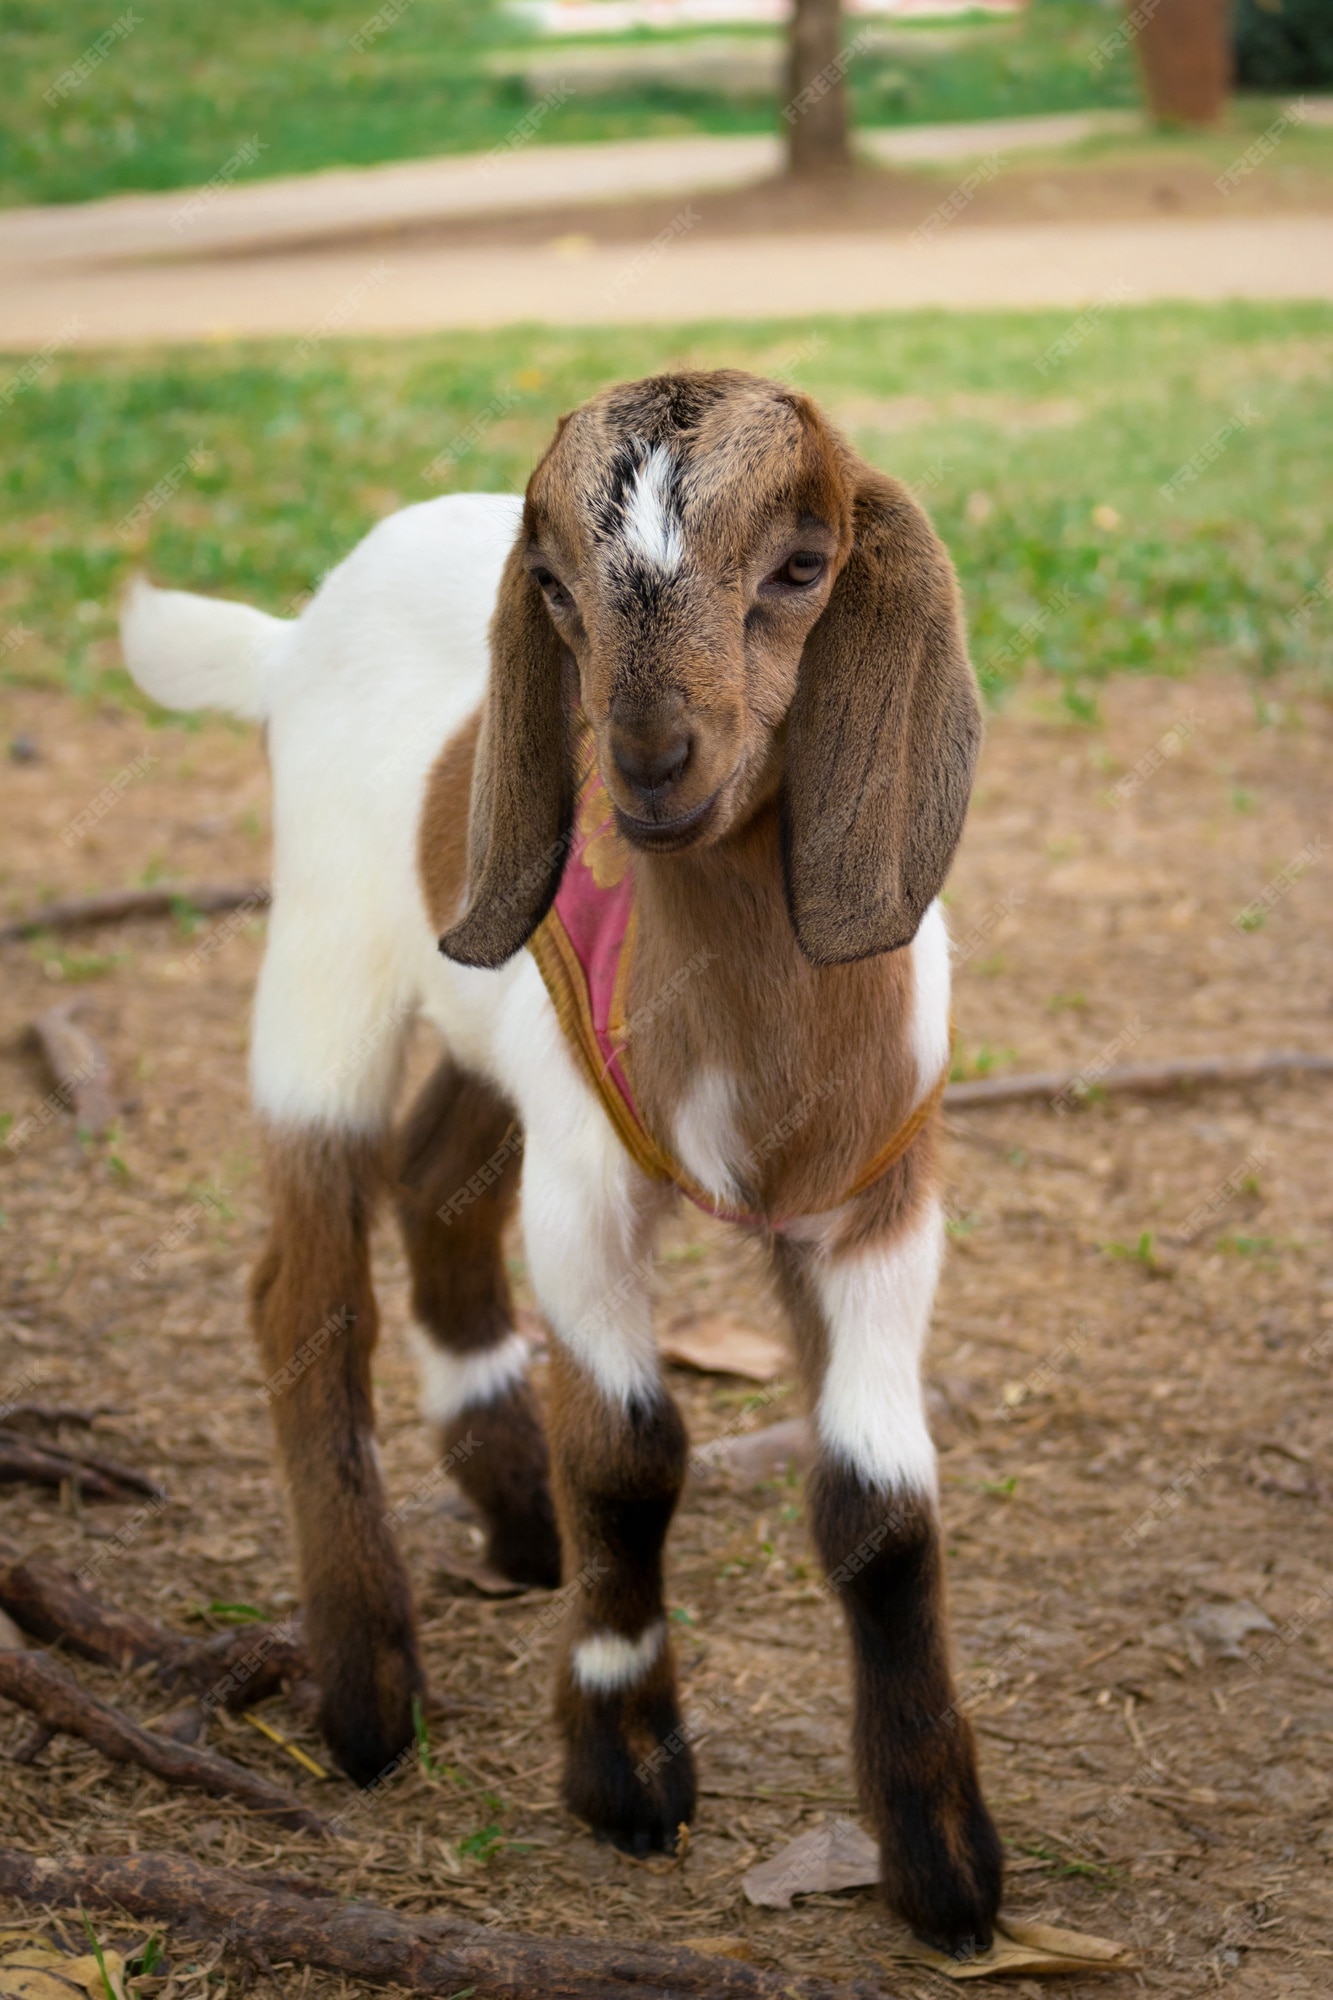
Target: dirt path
{"x": 664, "y": 231}
{"x": 1131, "y": 1362}
{"x": 576, "y": 282}
{"x": 247, "y": 215}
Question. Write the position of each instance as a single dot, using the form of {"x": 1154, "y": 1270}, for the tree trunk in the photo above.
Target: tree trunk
{"x": 1185, "y": 50}
{"x": 816, "y": 106}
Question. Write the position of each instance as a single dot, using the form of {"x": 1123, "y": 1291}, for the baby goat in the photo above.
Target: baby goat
{"x": 748, "y": 647}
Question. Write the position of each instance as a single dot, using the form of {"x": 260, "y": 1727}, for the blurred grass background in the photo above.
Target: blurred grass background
{"x": 1045, "y": 486}
{"x": 176, "y": 97}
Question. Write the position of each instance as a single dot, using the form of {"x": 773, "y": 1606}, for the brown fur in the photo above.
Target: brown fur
{"x": 442, "y": 836}
{"x": 847, "y": 718}
{"x": 820, "y": 1054}
{"x": 452, "y": 1231}
{"x": 618, "y": 1476}
{"x": 522, "y": 798}
{"x": 882, "y": 737}
{"x": 821, "y": 1061}
{"x": 316, "y": 1323}
{"x": 457, "y": 1180}
{"x": 864, "y": 673}
{"x": 915, "y": 1757}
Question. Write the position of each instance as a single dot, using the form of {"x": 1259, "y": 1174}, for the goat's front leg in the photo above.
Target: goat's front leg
{"x": 862, "y": 1319}
{"x": 618, "y": 1452}
{"x": 314, "y": 1314}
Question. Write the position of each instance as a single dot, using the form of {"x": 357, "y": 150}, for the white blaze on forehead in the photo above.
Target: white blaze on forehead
{"x": 651, "y": 529}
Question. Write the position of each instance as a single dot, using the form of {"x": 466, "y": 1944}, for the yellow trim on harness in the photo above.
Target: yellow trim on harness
{"x": 889, "y": 1156}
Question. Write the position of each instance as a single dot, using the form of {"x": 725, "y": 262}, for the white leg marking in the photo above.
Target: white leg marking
{"x": 929, "y": 1032}
{"x": 705, "y": 1134}
{"x": 452, "y": 1383}
{"x": 588, "y": 1250}
{"x": 876, "y": 1306}
{"x": 606, "y": 1661}
{"x": 650, "y": 528}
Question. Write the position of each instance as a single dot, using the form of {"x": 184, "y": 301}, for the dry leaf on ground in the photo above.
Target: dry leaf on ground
{"x": 1024, "y": 1947}
{"x": 758, "y": 1454}
{"x": 837, "y": 1855}
{"x": 32, "y": 1968}
{"x": 842, "y": 1855}
{"x": 719, "y": 1345}
{"x": 1221, "y": 1627}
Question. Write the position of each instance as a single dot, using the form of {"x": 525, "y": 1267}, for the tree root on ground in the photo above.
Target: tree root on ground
{"x": 277, "y": 1919}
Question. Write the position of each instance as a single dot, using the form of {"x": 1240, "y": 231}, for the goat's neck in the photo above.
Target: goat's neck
{"x": 724, "y": 998}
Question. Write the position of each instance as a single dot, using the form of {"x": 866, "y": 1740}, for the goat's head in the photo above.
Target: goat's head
{"x": 743, "y": 611}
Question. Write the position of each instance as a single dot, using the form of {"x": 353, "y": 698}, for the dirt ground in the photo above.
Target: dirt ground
{"x": 1123, "y": 189}
{"x": 1131, "y": 1360}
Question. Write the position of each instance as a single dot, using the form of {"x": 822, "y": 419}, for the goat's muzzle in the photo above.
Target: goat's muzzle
{"x": 668, "y": 836}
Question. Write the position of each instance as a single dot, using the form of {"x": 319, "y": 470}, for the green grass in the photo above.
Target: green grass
{"x": 174, "y": 99}
{"x": 1046, "y": 488}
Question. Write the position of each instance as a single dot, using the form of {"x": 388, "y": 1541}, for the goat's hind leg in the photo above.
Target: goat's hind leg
{"x": 457, "y": 1164}
{"x": 314, "y": 1314}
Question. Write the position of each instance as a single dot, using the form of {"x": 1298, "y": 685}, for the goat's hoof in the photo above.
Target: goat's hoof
{"x": 504, "y": 1468}
{"x": 527, "y": 1549}
{"x": 366, "y": 1711}
{"x": 366, "y": 1745}
{"x": 638, "y": 1803}
{"x": 944, "y": 1871}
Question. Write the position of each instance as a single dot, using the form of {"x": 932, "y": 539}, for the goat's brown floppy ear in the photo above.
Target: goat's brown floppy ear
{"x": 522, "y": 781}
{"x": 882, "y": 738}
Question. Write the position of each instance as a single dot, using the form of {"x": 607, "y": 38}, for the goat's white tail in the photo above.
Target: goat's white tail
{"x": 198, "y": 652}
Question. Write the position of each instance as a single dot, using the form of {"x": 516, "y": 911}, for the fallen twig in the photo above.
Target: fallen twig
{"x": 51, "y": 1605}
{"x": 120, "y": 905}
{"x": 307, "y": 1925}
{"x": 235, "y": 1669}
{"x": 50, "y": 1416}
{"x": 96, "y": 1477}
{"x": 24, "y": 1463}
{"x": 80, "y": 1068}
{"x": 1138, "y": 1079}
{"x": 47, "y": 1690}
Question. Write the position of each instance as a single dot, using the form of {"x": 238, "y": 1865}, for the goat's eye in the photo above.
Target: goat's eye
{"x": 554, "y": 590}
{"x": 805, "y": 567}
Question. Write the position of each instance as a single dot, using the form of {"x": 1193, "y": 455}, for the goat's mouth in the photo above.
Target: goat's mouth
{"x": 668, "y": 836}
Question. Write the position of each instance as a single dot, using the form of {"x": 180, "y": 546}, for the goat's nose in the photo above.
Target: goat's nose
{"x": 651, "y": 765}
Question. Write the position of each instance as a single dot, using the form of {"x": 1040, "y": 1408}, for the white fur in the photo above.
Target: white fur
{"x": 588, "y": 1258}
{"x": 651, "y": 529}
{"x": 705, "y": 1134}
{"x": 198, "y": 652}
{"x": 382, "y": 668}
{"x": 871, "y": 1414}
{"x": 452, "y": 1383}
{"x": 929, "y": 1031}
{"x": 606, "y": 1661}
{"x": 359, "y": 694}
